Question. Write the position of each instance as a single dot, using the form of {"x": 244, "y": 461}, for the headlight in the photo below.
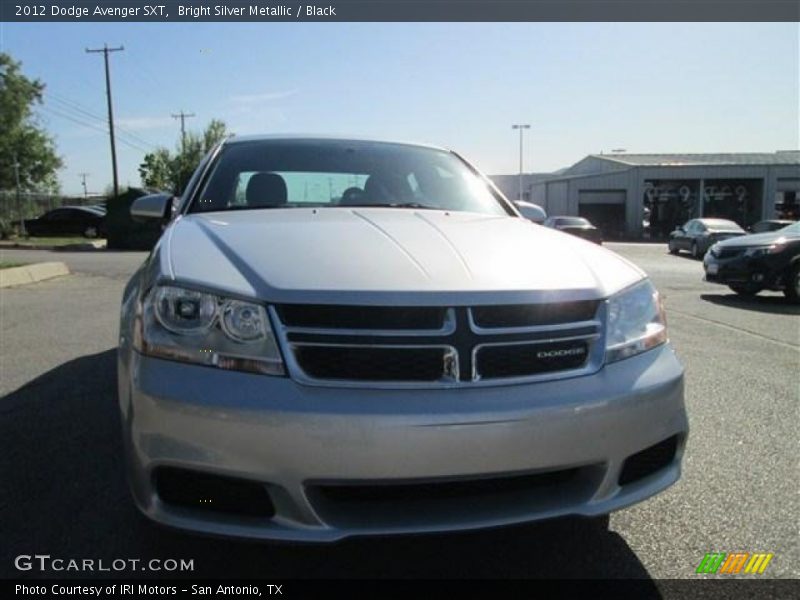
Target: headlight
{"x": 635, "y": 321}
{"x": 184, "y": 311}
{"x": 206, "y": 329}
{"x": 763, "y": 250}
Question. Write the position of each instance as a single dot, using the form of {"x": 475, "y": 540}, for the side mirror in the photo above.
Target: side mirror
{"x": 153, "y": 206}
{"x": 530, "y": 211}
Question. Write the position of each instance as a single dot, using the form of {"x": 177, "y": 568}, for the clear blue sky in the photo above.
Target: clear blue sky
{"x": 585, "y": 88}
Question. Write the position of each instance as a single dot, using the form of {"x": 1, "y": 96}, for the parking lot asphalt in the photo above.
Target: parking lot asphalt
{"x": 65, "y": 494}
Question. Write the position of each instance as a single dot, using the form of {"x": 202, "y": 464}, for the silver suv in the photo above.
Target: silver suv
{"x": 339, "y": 337}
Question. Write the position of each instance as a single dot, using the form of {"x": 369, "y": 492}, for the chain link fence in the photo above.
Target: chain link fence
{"x": 30, "y": 205}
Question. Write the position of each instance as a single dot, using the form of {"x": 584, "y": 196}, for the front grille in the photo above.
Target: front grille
{"x": 372, "y": 364}
{"x": 432, "y": 491}
{"x": 361, "y": 317}
{"x": 352, "y": 345}
{"x": 389, "y": 504}
{"x": 527, "y": 359}
{"x": 726, "y": 252}
{"x": 529, "y": 315}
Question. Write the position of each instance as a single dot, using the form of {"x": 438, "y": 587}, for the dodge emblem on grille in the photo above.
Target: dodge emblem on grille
{"x": 561, "y": 352}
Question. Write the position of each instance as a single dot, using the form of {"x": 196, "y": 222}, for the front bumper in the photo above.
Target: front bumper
{"x": 743, "y": 270}
{"x": 292, "y": 439}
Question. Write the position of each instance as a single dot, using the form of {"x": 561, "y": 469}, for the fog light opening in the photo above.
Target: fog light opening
{"x": 648, "y": 461}
{"x": 203, "y": 491}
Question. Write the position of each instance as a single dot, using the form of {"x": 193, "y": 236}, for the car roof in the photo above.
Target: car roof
{"x": 718, "y": 222}
{"x": 325, "y": 139}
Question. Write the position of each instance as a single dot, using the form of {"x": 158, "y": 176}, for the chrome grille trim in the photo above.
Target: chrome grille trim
{"x": 454, "y": 328}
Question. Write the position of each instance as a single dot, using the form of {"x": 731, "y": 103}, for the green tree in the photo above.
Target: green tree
{"x": 21, "y": 137}
{"x": 166, "y": 171}
{"x": 156, "y": 170}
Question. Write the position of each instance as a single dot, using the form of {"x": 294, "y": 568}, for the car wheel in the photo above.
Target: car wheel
{"x": 90, "y": 232}
{"x": 696, "y": 251}
{"x": 792, "y": 289}
{"x": 745, "y": 289}
{"x": 672, "y": 249}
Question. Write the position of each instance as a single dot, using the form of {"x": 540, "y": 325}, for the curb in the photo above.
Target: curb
{"x": 87, "y": 246}
{"x": 31, "y": 273}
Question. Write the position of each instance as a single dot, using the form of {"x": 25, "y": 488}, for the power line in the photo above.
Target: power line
{"x": 106, "y": 50}
{"x": 94, "y": 126}
{"x": 70, "y": 105}
{"x": 80, "y": 108}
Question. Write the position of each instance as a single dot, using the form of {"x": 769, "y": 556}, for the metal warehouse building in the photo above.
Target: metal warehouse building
{"x": 633, "y": 195}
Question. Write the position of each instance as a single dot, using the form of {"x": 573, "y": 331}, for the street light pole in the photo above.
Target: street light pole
{"x": 520, "y": 126}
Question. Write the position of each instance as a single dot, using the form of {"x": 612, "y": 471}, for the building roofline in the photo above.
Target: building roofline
{"x": 627, "y": 159}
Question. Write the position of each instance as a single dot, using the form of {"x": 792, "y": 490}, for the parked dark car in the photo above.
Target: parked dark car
{"x": 763, "y": 261}
{"x": 576, "y": 226}
{"x": 69, "y": 220}
{"x": 698, "y": 235}
{"x": 769, "y": 225}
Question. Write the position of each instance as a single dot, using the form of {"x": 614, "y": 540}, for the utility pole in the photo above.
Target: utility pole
{"x": 520, "y": 127}
{"x": 105, "y": 50}
{"x": 83, "y": 177}
{"x": 19, "y": 207}
{"x": 183, "y": 116}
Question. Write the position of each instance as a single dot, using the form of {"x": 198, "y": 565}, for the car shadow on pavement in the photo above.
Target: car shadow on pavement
{"x": 778, "y": 305}
{"x": 687, "y": 256}
{"x": 67, "y": 497}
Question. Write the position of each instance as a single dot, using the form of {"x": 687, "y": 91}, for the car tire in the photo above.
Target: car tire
{"x": 672, "y": 250}
{"x": 792, "y": 289}
{"x": 90, "y": 232}
{"x": 696, "y": 251}
{"x": 745, "y": 289}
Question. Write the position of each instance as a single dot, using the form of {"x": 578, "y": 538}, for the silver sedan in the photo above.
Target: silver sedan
{"x": 344, "y": 337}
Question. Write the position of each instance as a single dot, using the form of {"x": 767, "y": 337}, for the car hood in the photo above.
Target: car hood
{"x": 372, "y": 255}
{"x": 754, "y": 239}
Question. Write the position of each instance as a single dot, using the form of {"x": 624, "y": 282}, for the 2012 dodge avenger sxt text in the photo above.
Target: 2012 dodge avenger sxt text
{"x": 340, "y": 337}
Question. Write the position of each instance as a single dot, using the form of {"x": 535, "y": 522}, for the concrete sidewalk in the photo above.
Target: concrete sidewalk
{"x": 88, "y": 245}
{"x": 31, "y": 273}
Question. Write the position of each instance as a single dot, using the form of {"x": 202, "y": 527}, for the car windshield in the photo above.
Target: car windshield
{"x": 333, "y": 173}
{"x": 94, "y": 210}
{"x": 793, "y": 229}
{"x": 721, "y": 225}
